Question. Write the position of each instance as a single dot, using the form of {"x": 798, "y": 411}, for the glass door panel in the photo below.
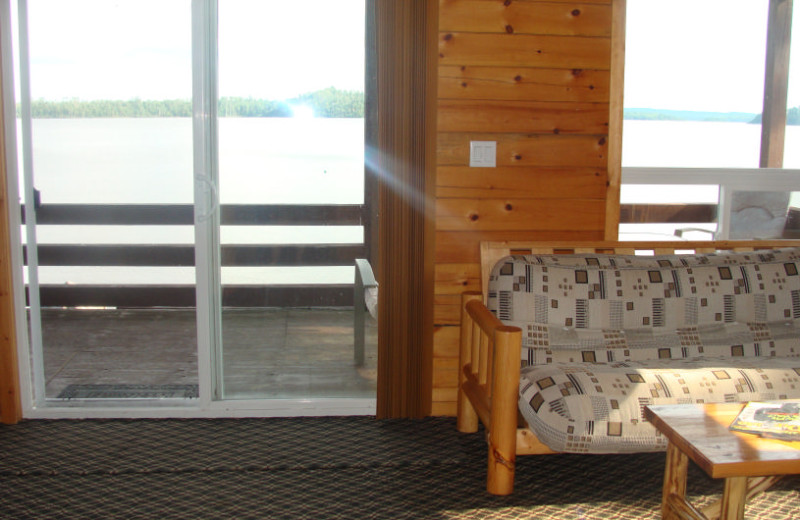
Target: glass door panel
{"x": 677, "y": 85}
{"x": 291, "y": 188}
{"x": 110, "y": 245}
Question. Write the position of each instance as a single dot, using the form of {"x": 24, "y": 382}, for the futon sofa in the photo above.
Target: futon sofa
{"x": 601, "y": 336}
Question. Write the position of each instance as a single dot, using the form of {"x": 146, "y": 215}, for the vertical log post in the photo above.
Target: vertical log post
{"x": 776, "y": 84}
{"x": 505, "y": 394}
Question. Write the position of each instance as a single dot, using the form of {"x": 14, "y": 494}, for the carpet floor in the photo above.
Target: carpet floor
{"x": 319, "y": 468}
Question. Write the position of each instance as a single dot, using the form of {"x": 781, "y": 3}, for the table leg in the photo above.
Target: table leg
{"x": 733, "y": 498}
{"x": 674, "y": 478}
{"x": 755, "y": 485}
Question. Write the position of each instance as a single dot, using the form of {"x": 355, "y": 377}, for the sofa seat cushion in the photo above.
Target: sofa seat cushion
{"x": 598, "y": 407}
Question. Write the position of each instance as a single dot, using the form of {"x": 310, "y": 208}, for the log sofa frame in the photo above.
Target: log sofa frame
{"x": 489, "y": 364}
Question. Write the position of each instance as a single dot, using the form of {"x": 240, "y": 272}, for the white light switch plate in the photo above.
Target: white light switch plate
{"x": 483, "y": 154}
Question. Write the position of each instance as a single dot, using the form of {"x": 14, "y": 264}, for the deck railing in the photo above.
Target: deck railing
{"x": 177, "y": 255}
{"x": 727, "y": 180}
{"x": 294, "y": 255}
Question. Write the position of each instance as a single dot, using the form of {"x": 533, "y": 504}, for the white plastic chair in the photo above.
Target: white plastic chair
{"x": 365, "y": 297}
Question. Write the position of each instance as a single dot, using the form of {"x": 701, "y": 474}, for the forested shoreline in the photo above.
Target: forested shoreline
{"x": 328, "y": 102}
{"x": 655, "y": 114}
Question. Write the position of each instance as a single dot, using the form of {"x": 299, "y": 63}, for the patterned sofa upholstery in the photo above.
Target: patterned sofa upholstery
{"x": 605, "y": 335}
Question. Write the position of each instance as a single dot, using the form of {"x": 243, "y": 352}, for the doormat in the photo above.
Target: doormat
{"x": 129, "y": 392}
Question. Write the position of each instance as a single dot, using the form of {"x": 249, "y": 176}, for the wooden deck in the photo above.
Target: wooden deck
{"x": 268, "y": 353}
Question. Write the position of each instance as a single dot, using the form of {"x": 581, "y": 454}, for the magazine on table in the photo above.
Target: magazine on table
{"x": 770, "y": 419}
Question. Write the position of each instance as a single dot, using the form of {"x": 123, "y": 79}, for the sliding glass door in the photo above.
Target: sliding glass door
{"x": 192, "y": 179}
{"x": 291, "y": 188}
{"x": 108, "y": 195}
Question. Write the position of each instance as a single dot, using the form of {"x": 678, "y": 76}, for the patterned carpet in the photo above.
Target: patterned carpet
{"x": 320, "y": 468}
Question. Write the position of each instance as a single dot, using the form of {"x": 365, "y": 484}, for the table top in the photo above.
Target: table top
{"x": 701, "y": 432}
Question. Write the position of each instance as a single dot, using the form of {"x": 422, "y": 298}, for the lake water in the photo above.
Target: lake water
{"x": 262, "y": 160}
{"x": 692, "y": 144}
{"x": 286, "y": 161}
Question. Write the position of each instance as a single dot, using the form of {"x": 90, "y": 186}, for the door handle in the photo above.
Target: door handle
{"x": 211, "y": 188}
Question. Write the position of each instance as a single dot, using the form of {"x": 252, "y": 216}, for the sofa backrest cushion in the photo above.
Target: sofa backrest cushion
{"x": 696, "y": 303}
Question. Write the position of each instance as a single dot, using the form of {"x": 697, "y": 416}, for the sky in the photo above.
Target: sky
{"x": 705, "y": 55}
{"x": 124, "y": 49}
{"x": 680, "y": 54}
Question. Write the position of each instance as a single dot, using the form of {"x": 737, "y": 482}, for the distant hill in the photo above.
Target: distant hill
{"x": 657, "y": 114}
{"x": 792, "y": 117}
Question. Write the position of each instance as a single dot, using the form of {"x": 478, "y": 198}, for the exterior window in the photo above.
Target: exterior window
{"x": 694, "y": 90}
{"x": 692, "y": 133}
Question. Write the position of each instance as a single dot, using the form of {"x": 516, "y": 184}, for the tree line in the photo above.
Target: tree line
{"x": 792, "y": 117}
{"x": 329, "y": 102}
{"x": 654, "y": 114}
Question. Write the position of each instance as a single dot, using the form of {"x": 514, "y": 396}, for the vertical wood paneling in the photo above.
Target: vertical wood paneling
{"x": 537, "y": 77}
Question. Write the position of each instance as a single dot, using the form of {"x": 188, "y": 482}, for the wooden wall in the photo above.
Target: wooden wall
{"x": 534, "y": 76}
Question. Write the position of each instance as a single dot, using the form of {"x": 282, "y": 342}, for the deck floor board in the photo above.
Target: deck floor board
{"x": 267, "y": 353}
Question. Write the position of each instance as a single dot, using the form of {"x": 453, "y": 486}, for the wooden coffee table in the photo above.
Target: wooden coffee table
{"x": 700, "y": 432}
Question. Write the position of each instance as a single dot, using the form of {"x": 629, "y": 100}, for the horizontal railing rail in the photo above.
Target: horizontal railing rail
{"x": 667, "y": 213}
{"x": 765, "y": 179}
{"x": 167, "y": 255}
{"x": 183, "y": 255}
{"x": 155, "y": 296}
{"x": 183, "y": 214}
